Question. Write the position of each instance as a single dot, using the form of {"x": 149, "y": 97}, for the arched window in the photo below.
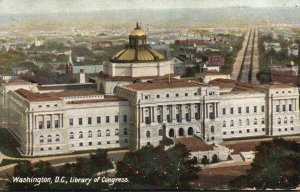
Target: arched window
{"x": 190, "y": 131}
{"x": 80, "y": 134}
{"x": 71, "y": 135}
{"x": 41, "y": 139}
{"x": 98, "y": 133}
{"x": 247, "y": 122}
{"x": 117, "y": 132}
{"x": 148, "y": 134}
{"x": 231, "y": 123}
{"x": 212, "y": 129}
{"x": 255, "y": 121}
{"x": 90, "y": 134}
{"x": 49, "y": 138}
{"x": 181, "y": 132}
{"x": 160, "y": 133}
{"x": 125, "y": 131}
{"x": 279, "y": 120}
{"x": 171, "y": 133}
{"x": 240, "y": 122}
{"x": 107, "y": 132}
{"x": 263, "y": 121}
{"x": 292, "y": 120}
{"x": 285, "y": 120}
{"x": 224, "y": 124}
{"x": 57, "y": 138}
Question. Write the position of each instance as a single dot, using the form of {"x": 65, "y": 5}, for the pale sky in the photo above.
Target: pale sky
{"x": 50, "y": 6}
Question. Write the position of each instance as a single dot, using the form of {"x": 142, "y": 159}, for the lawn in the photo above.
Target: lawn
{"x": 8, "y": 144}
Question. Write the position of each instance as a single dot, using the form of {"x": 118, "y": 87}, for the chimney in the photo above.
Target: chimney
{"x": 82, "y": 76}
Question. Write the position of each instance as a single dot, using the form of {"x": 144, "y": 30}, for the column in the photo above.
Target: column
{"x": 164, "y": 113}
{"x": 192, "y": 111}
{"x": 206, "y": 110}
{"x": 183, "y": 112}
{"x": 217, "y": 110}
{"x": 35, "y": 122}
{"x": 173, "y": 113}
{"x": 155, "y": 114}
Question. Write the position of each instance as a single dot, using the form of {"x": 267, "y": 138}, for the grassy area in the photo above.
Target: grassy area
{"x": 8, "y": 144}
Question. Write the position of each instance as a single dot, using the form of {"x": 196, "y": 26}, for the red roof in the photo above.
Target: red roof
{"x": 194, "y": 144}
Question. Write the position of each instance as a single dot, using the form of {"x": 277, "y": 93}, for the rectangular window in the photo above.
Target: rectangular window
{"x": 158, "y": 119}
{"x": 178, "y": 118}
{"x": 262, "y": 108}
{"x": 79, "y": 121}
{"x": 147, "y": 120}
{"x": 90, "y": 143}
{"x": 80, "y": 144}
{"x": 157, "y": 96}
{"x": 56, "y": 123}
{"x": 186, "y": 94}
{"x": 125, "y": 118}
{"x": 187, "y": 117}
{"x": 247, "y": 109}
{"x": 40, "y": 124}
{"x": 116, "y": 118}
{"x": 48, "y": 124}
{"x": 167, "y": 95}
{"x": 197, "y": 116}
{"x": 248, "y": 130}
{"x": 255, "y": 109}
{"x": 89, "y": 120}
{"x": 283, "y": 107}
{"x": 71, "y": 121}
{"x": 231, "y": 110}
{"x": 98, "y": 120}
{"x": 176, "y": 95}
{"x": 290, "y": 107}
{"x": 169, "y": 118}
{"x": 240, "y": 110}
{"x": 107, "y": 119}
{"x": 224, "y": 111}
{"x": 277, "y": 108}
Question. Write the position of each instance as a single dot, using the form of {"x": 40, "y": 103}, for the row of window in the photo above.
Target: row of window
{"x": 239, "y": 110}
{"x": 167, "y": 95}
{"x": 89, "y": 144}
{"x": 49, "y": 124}
{"x": 55, "y": 105}
{"x": 49, "y": 138}
{"x": 255, "y": 130}
{"x": 240, "y": 131}
{"x": 148, "y": 134}
{"x": 285, "y": 120}
{"x": 240, "y": 122}
{"x": 98, "y": 120}
{"x": 90, "y": 133}
{"x": 283, "y": 108}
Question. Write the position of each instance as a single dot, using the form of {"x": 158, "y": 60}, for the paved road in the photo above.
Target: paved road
{"x": 238, "y": 61}
{"x": 255, "y": 65}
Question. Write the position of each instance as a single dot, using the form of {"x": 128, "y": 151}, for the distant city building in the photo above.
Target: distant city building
{"x": 293, "y": 50}
{"x": 272, "y": 46}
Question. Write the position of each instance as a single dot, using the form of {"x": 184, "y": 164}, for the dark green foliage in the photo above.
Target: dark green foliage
{"x": 167, "y": 141}
{"x": 154, "y": 168}
{"x": 84, "y": 168}
{"x": 276, "y": 165}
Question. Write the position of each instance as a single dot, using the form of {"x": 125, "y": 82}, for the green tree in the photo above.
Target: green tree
{"x": 276, "y": 165}
{"x": 155, "y": 168}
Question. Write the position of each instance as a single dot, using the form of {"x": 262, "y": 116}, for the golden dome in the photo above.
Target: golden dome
{"x": 137, "y": 50}
{"x": 142, "y": 54}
